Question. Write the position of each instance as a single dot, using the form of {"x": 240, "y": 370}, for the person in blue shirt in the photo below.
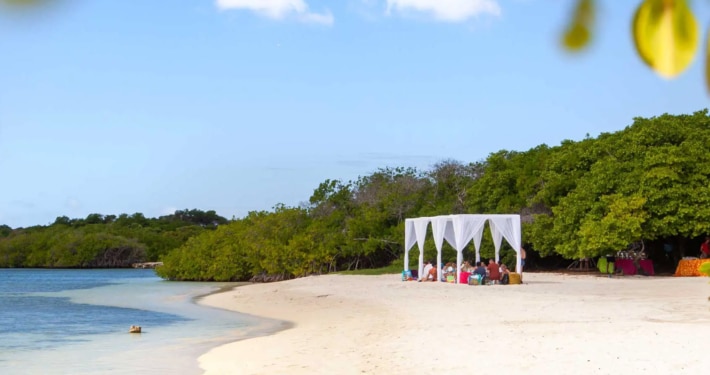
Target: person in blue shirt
{"x": 481, "y": 272}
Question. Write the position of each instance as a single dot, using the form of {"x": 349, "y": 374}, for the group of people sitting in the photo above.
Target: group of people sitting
{"x": 482, "y": 274}
{"x": 493, "y": 273}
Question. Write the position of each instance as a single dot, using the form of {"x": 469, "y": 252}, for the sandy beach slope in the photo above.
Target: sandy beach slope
{"x": 553, "y": 324}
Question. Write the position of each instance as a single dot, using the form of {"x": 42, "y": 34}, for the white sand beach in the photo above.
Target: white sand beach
{"x": 553, "y": 324}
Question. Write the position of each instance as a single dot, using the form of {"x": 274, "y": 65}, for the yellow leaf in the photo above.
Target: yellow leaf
{"x": 576, "y": 37}
{"x": 666, "y": 35}
{"x": 578, "y": 34}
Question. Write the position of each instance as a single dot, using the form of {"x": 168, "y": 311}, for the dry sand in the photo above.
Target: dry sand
{"x": 553, "y": 324}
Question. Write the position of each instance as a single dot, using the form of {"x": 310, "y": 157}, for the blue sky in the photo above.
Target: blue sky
{"x": 236, "y": 105}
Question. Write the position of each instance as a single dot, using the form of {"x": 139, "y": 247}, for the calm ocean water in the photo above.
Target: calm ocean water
{"x": 76, "y": 322}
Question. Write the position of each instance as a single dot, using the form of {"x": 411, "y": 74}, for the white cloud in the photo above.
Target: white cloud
{"x": 319, "y": 18}
{"x": 279, "y": 9}
{"x": 446, "y": 10}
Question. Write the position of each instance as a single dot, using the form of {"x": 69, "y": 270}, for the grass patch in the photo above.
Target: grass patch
{"x": 374, "y": 271}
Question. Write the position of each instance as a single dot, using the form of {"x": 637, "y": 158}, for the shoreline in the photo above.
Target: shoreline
{"x": 555, "y": 322}
{"x": 258, "y": 325}
{"x": 98, "y": 306}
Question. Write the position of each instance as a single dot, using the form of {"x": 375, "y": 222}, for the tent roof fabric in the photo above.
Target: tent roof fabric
{"x": 459, "y": 230}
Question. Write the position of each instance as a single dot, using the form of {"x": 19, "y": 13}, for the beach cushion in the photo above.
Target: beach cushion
{"x": 605, "y": 266}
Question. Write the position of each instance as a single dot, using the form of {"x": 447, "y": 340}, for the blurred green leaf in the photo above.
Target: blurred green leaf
{"x": 705, "y": 268}
{"x": 578, "y": 33}
{"x": 666, "y": 35}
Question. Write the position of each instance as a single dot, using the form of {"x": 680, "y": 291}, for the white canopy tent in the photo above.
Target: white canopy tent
{"x": 458, "y": 231}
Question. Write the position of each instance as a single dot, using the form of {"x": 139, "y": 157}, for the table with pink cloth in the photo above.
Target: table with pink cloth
{"x": 628, "y": 268}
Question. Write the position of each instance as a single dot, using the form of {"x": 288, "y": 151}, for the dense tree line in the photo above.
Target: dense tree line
{"x": 102, "y": 240}
{"x": 580, "y": 199}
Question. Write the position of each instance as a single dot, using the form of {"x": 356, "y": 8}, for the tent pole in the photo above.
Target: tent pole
{"x": 438, "y": 266}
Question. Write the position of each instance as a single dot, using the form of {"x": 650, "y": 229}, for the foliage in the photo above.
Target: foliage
{"x": 648, "y": 181}
{"x": 705, "y": 268}
{"x": 579, "y": 32}
{"x": 394, "y": 268}
{"x": 5, "y": 230}
{"x": 101, "y": 241}
{"x": 579, "y": 199}
{"x": 665, "y": 33}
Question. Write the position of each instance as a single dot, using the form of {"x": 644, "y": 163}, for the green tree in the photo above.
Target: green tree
{"x": 648, "y": 181}
{"x": 5, "y": 230}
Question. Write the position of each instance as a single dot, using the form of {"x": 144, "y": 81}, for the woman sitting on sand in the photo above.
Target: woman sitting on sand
{"x": 431, "y": 274}
{"x": 504, "y": 274}
{"x": 448, "y": 270}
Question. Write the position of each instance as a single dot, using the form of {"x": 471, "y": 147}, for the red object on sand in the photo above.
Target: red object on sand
{"x": 463, "y": 279}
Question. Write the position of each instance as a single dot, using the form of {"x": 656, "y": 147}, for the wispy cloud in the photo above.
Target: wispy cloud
{"x": 446, "y": 10}
{"x": 279, "y": 10}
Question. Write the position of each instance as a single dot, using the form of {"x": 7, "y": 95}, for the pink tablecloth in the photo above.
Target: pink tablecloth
{"x": 627, "y": 266}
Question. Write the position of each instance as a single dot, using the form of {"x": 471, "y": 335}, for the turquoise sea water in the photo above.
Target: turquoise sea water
{"x": 76, "y": 322}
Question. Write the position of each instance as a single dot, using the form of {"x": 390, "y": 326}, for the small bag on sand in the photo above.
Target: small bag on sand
{"x": 514, "y": 278}
{"x": 475, "y": 279}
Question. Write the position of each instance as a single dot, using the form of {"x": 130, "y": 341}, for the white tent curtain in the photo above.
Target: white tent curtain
{"x": 465, "y": 228}
{"x": 458, "y": 231}
{"x": 477, "y": 237}
{"x": 409, "y": 240}
{"x": 420, "y": 227}
{"x": 443, "y": 229}
{"x": 497, "y": 238}
{"x": 509, "y": 227}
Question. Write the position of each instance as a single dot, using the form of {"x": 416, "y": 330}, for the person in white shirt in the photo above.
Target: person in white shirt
{"x": 424, "y": 276}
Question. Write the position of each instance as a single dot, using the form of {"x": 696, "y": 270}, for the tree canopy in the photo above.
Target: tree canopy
{"x": 578, "y": 199}
{"x": 101, "y": 240}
